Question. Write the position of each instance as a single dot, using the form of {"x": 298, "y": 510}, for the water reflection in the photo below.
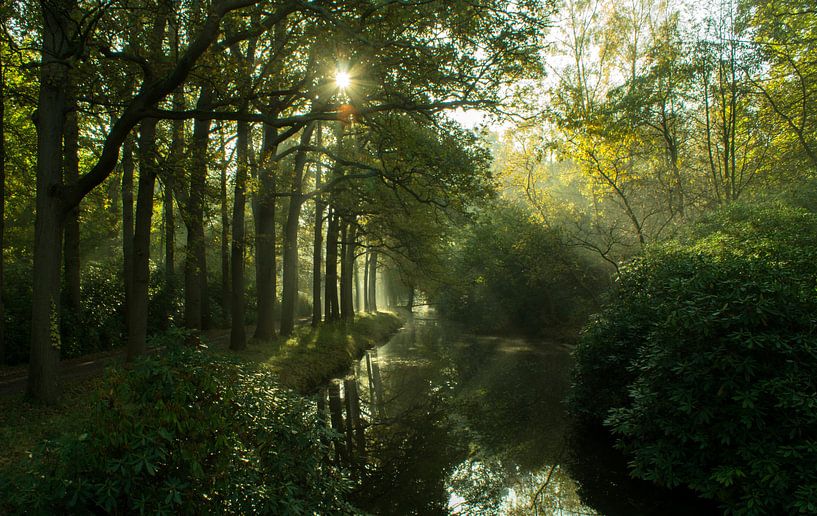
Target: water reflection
{"x": 440, "y": 422}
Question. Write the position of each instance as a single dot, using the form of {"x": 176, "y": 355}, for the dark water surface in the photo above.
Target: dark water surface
{"x": 443, "y": 422}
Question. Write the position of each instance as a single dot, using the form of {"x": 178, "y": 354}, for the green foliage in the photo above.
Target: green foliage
{"x": 100, "y": 324}
{"x": 702, "y": 364}
{"x": 513, "y": 273}
{"x": 166, "y": 306}
{"x": 187, "y": 433}
{"x": 17, "y": 304}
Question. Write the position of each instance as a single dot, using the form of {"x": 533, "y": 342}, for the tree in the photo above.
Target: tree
{"x": 130, "y": 74}
{"x": 785, "y": 38}
{"x": 64, "y": 39}
{"x": 2, "y": 186}
{"x": 289, "y": 294}
{"x": 736, "y": 143}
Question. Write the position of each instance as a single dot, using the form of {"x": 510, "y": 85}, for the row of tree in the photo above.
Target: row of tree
{"x": 289, "y": 103}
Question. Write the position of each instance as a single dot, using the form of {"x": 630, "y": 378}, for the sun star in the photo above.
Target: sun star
{"x": 343, "y": 80}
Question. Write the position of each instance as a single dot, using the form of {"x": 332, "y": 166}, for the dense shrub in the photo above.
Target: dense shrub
{"x": 703, "y": 363}
{"x": 187, "y": 433}
{"x": 100, "y": 323}
{"x": 17, "y": 303}
{"x": 166, "y": 300}
{"x": 511, "y": 272}
{"x": 97, "y": 326}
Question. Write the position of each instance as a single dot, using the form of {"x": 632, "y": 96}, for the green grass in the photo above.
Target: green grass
{"x": 312, "y": 356}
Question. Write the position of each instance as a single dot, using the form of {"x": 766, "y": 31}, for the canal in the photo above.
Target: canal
{"x": 438, "y": 421}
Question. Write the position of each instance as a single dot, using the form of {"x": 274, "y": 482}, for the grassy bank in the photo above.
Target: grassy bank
{"x": 170, "y": 393}
{"x": 312, "y": 356}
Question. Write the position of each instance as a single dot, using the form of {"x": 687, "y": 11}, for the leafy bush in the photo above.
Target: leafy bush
{"x": 187, "y": 433}
{"x": 100, "y": 323}
{"x": 511, "y": 272}
{"x": 703, "y": 364}
{"x": 17, "y": 325}
{"x": 166, "y": 300}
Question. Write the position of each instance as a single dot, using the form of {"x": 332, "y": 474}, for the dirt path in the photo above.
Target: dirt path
{"x": 13, "y": 379}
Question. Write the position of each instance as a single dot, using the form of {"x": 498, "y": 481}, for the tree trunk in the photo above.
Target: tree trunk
{"x": 373, "y": 281}
{"x": 177, "y": 154}
{"x": 331, "y": 289}
{"x": 332, "y": 229}
{"x": 71, "y": 239}
{"x": 137, "y": 310}
{"x": 225, "y": 242}
{"x": 170, "y": 232}
{"x": 127, "y": 219}
{"x": 51, "y": 109}
{"x": 238, "y": 338}
{"x": 2, "y": 204}
{"x": 317, "y": 242}
{"x": 265, "y": 273}
{"x": 195, "y": 269}
{"x": 289, "y": 295}
{"x": 347, "y": 309}
{"x": 344, "y": 271}
{"x": 367, "y": 305}
{"x": 356, "y": 280}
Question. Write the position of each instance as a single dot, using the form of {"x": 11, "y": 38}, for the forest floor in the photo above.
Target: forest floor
{"x": 302, "y": 362}
{"x": 13, "y": 378}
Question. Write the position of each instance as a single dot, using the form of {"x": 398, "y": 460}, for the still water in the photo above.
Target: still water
{"x": 438, "y": 421}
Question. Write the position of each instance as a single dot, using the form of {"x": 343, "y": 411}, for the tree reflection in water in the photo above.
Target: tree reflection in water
{"x": 461, "y": 424}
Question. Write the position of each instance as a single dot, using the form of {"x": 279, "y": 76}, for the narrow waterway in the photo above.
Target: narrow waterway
{"x": 438, "y": 421}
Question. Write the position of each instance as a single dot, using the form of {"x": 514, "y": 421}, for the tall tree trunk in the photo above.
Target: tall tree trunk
{"x": 373, "y": 281}
{"x": 367, "y": 305}
{"x": 2, "y": 202}
{"x": 344, "y": 270}
{"x": 51, "y": 109}
{"x": 289, "y": 295}
{"x": 137, "y": 310}
{"x": 225, "y": 241}
{"x": 71, "y": 239}
{"x": 127, "y": 219}
{"x": 177, "y": 154}
{"x": 170, "y": 232}
{"x": 332, "y": 230}
{"x": 331, "y": 289}
{"x": 347, "y": 309}
{"x": 238, "y": 338}
{"x": 195, "y": 269}
{"x": 264, "y": 202}
{"x": 356, "y": 280}
{"x": 317, "y": 241}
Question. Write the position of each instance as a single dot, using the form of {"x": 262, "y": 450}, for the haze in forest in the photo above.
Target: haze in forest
{"x": 235, "y": 203}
